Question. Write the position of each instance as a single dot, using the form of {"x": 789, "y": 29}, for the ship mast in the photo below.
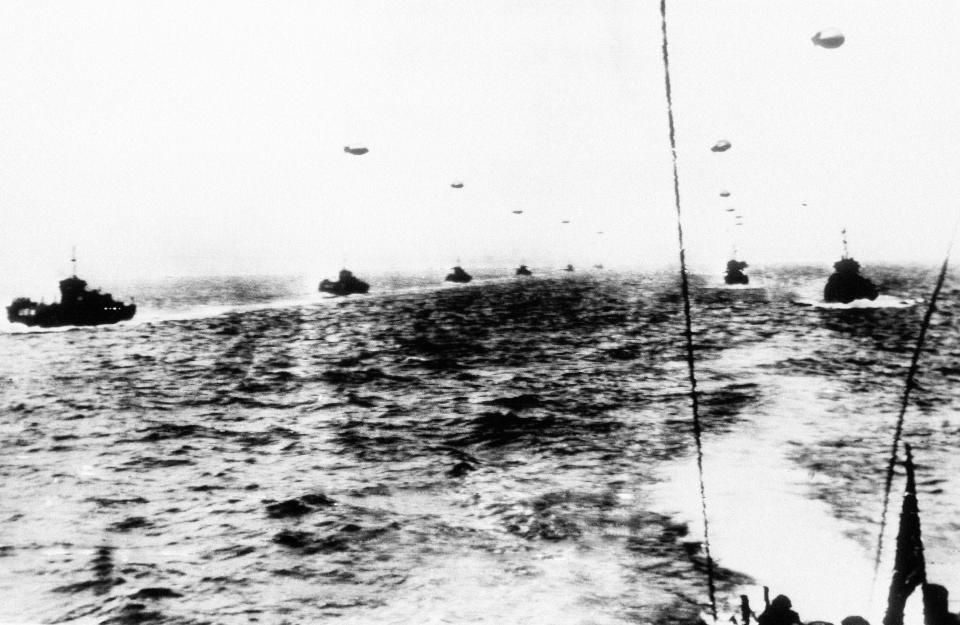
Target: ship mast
{"x": 843, "y": 235}
{"x": 73, "y": 259}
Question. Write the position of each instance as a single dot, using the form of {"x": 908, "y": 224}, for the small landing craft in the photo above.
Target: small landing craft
{"x": 523, "y": 271}
{"x": 347, "y": 284}
{"x": 734, "y": 274}
{"x": 458, "y": 275}
{"x": 847, "y": 289}
{"x": 846, "y": 284}
{"x": 77, "y": 307}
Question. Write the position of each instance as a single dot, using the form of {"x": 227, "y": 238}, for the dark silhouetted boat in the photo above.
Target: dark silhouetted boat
{"x": 346, "y": 285}
{"x": 735, "y": 273}
{"x": 523, "y": 271}
{"x": 568, "y": 268}
{"x": 77, "y": 307}
{"x": 846, "y": 284}
{"x": 458, "y": 275}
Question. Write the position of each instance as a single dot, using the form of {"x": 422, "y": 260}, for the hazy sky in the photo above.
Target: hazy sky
{"x": 169, "y": 138}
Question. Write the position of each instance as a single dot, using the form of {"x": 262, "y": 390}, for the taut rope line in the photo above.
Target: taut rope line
{"x": 904, "y": 400}
{"x": 688, "y": 326}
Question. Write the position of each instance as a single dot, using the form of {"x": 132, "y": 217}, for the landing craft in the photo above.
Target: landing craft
{"x": 78, "y": 306}
{"x": 458, "y": 275}
{"x": 457, "y": 185}
{"x": 345, "y": 285}
{"x": 829, "y": 38}
{"x": 720, "y": 146}
{"x": 355, "y": 149}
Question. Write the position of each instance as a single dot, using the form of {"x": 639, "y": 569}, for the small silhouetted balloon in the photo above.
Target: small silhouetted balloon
{"x": 730, "y": 210}
{"x": 457, "y": 185}
{"x": 720, "y": 146}
{"x": 829, "y": 38}
{"x": 724, "y": 194}
{"x": 517, "y": 212}
{"x": 355, "y": 149}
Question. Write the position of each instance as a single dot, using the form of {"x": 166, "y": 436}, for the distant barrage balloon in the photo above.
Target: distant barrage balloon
{"x": 457, "y": 185}
{"x": 565, "y": 221}
{"x": 517, "y": 212}
{"x": 356, "y": 148}
{"x": 730, "y": 210}
{"x": 829, "y": 38}
{"x": 720, "y": 146}
{"x": 724, "y": 194}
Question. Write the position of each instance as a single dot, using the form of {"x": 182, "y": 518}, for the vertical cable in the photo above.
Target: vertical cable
{"x": 688, "y": 325}
{"x": 904, "y": 400}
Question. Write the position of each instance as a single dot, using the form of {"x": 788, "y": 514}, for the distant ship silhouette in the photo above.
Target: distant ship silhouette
{"x": 523, "y": 271}
{"x": 458, "y": 275}
{"x": 77, "y": 307}
{"x": 735, "y": 273}
{"x": 846, "y": 284}
{"x": 347, "y": 284}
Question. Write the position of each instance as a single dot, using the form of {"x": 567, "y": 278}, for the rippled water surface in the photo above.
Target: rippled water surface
{"x": 500, "y": 452}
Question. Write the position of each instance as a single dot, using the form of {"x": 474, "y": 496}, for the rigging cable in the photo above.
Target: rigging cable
{"x": 904, "y": 400}
{"x": 688, "y": 326}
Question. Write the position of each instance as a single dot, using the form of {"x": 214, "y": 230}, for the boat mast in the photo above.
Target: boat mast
{"x": 843, "y": 235}
{"x": 73, "y": 259}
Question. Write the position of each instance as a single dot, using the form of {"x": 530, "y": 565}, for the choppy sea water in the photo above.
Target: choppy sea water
{"x": 511, "y": 450}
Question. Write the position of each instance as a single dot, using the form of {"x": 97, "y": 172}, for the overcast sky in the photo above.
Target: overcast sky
{"x": 170, "y": 138}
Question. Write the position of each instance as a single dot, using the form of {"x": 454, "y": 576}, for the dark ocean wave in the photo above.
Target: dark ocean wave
{"x": 362, "y": 457}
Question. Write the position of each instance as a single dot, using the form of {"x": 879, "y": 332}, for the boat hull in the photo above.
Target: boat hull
{"x": 57, "y": 315}
{"x": 340, "y": 289}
